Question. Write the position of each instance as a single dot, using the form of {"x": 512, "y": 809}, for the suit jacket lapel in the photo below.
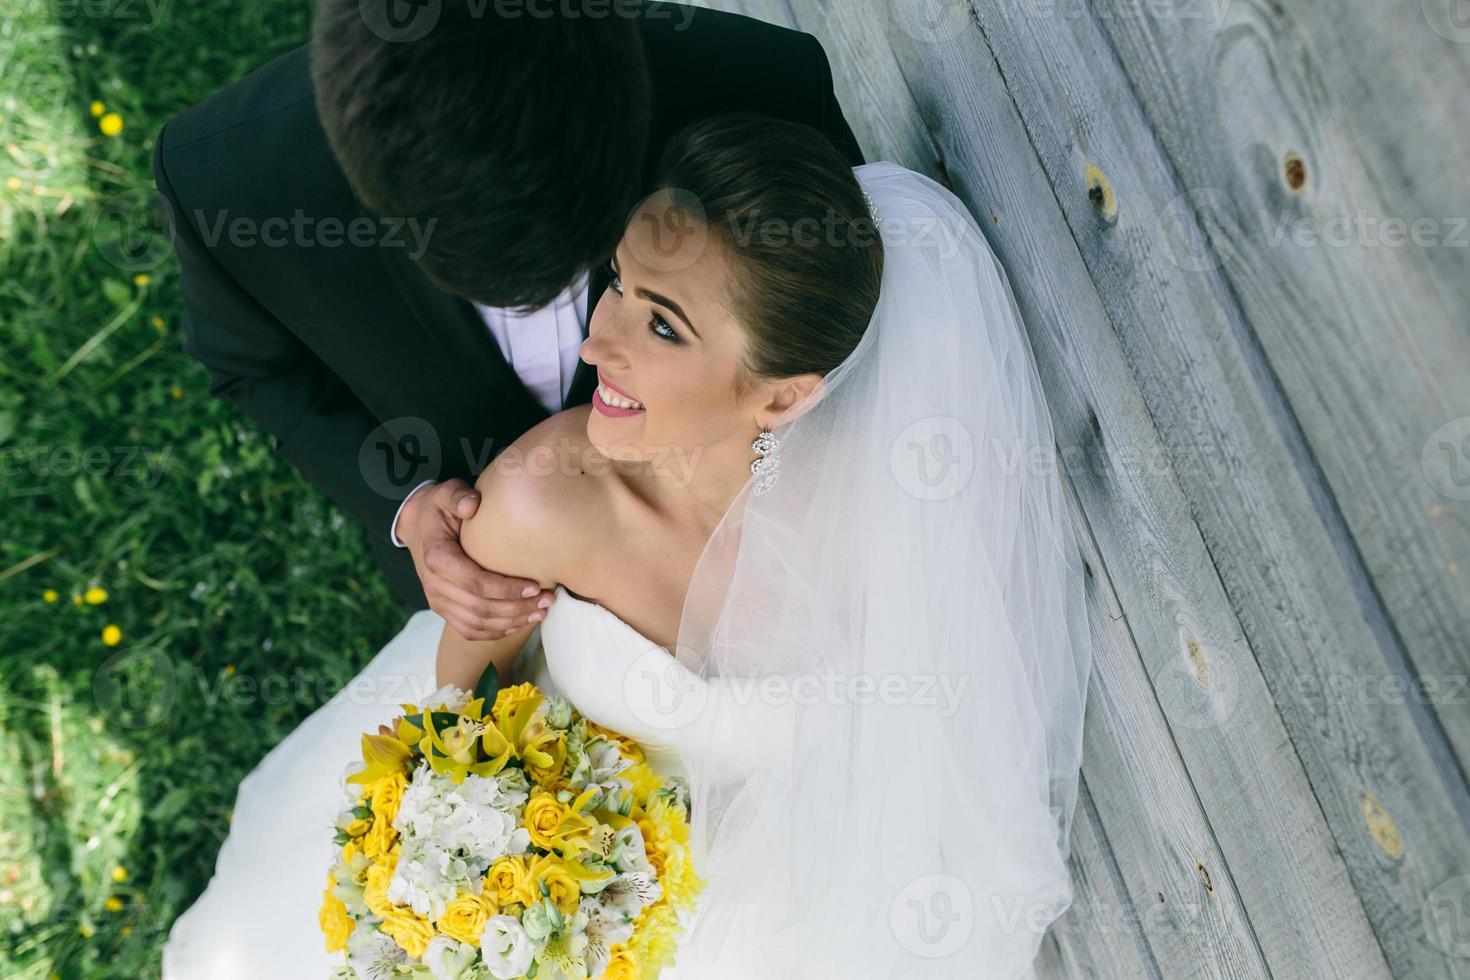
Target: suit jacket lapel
{"x": 457, "y": 327}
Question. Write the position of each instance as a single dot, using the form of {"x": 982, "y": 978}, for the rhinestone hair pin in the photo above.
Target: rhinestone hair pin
{"x": 872, "y": 209}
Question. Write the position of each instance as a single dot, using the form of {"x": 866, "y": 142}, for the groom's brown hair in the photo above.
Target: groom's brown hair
{"x": 520, "y": 132}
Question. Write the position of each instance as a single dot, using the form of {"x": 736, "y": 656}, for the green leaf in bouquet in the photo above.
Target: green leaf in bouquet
{"x": 488, "y": 685}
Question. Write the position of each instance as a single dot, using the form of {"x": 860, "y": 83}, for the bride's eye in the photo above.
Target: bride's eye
{"x": 656, "y": 323}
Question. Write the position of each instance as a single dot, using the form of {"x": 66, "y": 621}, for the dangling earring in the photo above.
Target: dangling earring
{"x": 766, "y": 464}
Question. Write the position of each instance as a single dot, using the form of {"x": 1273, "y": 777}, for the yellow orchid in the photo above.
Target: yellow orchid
{"x": 524, "y": 726}
{"x": 458, "y": 743}
{"x": 577, "y": 830}
{"x": 384, "y": 755}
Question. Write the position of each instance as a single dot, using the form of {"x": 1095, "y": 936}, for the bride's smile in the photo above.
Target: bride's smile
{"x": 672, "y": 358}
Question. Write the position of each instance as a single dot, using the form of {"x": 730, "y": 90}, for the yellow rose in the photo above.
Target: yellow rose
{"x": 508, "y": 697}
{"x": 409, "y": 930}
{"x": 379, "y": 838}
{"x": 622, "y": 965}
{"x": 348, "y": 850}
{"x": 549, "y": 774}
{"x": 358, "y": 827}
{"x": 543, "y": 816}
{"x": 375, "y": 891}
{"x": 465, "y": 917}
{"x": 387, "y": 793}
{"x": 565, "y": 892}
{"x": 336, "y": 924}
{"x": 509, "y": 879}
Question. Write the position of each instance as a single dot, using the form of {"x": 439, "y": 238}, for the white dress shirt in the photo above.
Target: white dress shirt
{"x": 541, "y": 346}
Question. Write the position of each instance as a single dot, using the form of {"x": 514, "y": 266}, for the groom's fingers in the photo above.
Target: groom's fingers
{"x": 480, "y": 604}
{"x": 464, "y": 500}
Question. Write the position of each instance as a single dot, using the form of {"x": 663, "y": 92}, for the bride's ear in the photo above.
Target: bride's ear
{"x": 793, "y": 392}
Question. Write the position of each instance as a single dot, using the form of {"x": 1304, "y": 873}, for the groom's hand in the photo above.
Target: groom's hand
{"x": 478, "y": 603}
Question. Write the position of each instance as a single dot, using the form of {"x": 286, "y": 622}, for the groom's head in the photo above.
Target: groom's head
{"x": 518, "y": 129}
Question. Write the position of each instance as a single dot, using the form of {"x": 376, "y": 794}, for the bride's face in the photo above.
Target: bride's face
{"x": 662, "y": 336}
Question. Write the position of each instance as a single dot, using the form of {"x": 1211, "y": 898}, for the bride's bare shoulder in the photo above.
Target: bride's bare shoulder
{"x": 538, "y": 501}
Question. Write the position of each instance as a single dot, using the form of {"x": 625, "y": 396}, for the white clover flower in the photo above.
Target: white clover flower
{"x": 507, "y": 948}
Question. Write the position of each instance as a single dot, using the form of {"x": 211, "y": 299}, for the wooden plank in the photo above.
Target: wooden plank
{"x": 1098, "y": 938}
{"x": 1246, "y": 773}
{"x": 1177, "y": 881}
{"x": 1368, "y": 340}
{"x": 1320, "y": 647}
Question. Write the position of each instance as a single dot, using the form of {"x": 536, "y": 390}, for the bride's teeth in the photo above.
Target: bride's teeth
{"x": 616, "y": 401}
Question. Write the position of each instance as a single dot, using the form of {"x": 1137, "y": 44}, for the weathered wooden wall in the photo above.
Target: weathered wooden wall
{"x": 1261, "y": 392}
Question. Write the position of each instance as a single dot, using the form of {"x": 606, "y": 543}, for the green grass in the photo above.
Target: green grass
{"x": 119, "y": 471}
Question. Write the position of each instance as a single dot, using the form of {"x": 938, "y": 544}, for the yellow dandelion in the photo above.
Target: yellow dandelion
{"x": 177, "y": 392}
{"x": 110, "y": 124}
{"x": 159, "y": 325}
{"x": 125, "y": 931}
{"x": 95, "y": 596}
{"x": 111, "y": 635}
{"x": 87, "y": 931}
{"x": 50, "y": 595}
{"x": 114, "y": 904}
{"x": 119, "y": 874}
{"x": 98, "y": 108}
{"x": 142, "y": 280}
{"x": 14, "y": 183}
{"x": 229, "y": 670}
{"x": 76, "y": 598}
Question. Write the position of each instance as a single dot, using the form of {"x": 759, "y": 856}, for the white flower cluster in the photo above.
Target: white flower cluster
{"x": 452, "y": 833}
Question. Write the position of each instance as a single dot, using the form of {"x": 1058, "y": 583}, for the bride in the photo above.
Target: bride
{"x": 810, "y": 550}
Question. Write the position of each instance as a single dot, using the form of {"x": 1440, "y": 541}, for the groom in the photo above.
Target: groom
{"x": 391, "y": 242}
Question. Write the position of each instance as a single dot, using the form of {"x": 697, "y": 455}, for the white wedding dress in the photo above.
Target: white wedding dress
{"x": 848, "y": 820}
{"x": 258, "y": 916}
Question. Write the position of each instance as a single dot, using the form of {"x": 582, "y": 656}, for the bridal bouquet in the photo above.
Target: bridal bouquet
{"x": 519, "y": 841}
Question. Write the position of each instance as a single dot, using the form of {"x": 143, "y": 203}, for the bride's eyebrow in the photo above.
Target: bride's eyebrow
{"x": 653, "y": 297}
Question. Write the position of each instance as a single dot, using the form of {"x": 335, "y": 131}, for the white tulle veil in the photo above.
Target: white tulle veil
{"x": 892, "y": 646}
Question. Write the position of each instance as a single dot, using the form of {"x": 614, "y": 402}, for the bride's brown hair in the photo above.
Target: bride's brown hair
{"x": 786, "y": 205}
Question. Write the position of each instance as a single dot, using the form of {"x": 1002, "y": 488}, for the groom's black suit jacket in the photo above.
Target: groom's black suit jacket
{"x": 321, "y": 340}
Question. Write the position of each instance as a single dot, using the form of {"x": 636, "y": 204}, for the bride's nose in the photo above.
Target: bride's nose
{"x": 604, "y": 344}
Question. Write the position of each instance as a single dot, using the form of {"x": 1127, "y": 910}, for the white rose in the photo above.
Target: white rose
{"x": 506, "y": 947}
{"x": 448, "y": 959}
{"x": 447, "y": 698}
